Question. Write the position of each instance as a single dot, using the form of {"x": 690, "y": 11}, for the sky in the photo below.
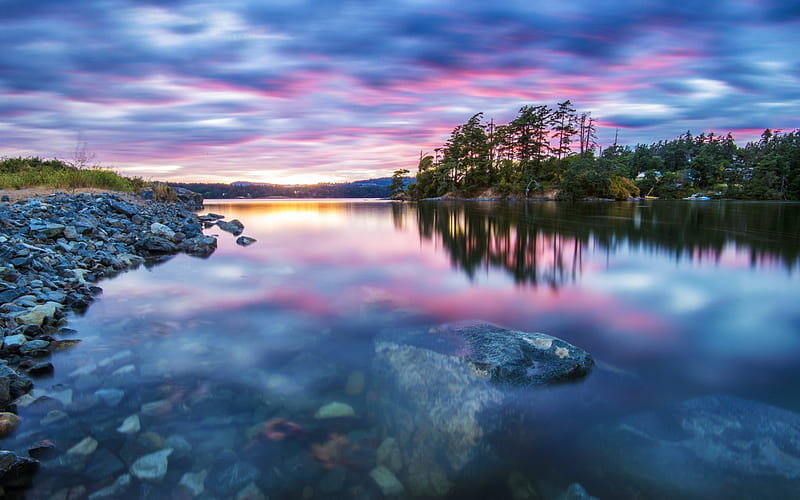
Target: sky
{"x": 293, "y": 91}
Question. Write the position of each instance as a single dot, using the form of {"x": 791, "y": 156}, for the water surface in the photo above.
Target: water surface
{"x": 674, "y": 300}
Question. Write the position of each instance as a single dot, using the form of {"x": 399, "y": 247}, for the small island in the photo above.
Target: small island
{"x": 552, "y": 153}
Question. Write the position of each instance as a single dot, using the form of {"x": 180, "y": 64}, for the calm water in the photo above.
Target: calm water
{"x": 227, "y": 361}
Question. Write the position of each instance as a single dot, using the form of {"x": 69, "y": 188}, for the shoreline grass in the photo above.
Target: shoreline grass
{"x": 20, "y": 173}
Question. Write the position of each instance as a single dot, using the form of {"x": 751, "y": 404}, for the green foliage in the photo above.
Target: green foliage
{"x": 19, "y": 173}
{"x": 534, "y": 149}
{"x": 621, "y": 189}
{"x": 397, "y": 187}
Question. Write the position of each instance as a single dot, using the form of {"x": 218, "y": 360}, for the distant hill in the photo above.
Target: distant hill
{"x": 369, "y": 188}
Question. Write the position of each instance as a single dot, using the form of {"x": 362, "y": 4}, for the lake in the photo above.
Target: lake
{"x": 259, "y": 368}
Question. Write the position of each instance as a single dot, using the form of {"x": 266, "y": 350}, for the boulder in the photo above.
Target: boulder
{"x": 201, "y": 246}
{"x": 509, "y": 356}
{"x": 157, "y": 245}
{"x": 190, "y": 199}
{"x": 443, "y": 393}
{"x": 161, "y": 230}
{"x": 708, "y": 447}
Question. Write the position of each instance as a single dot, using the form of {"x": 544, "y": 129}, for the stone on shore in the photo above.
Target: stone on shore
{"x": 161, "y": 230}
{"x": 234, "y": 227}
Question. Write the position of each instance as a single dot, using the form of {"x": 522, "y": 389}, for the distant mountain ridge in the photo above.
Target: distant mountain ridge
{"x": 368, "y": 188}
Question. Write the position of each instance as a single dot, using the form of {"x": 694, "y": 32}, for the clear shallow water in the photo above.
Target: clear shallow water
{"x": 674, "y": 300}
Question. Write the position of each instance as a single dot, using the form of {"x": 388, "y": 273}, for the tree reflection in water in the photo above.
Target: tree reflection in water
{"x": 544, "y": 243}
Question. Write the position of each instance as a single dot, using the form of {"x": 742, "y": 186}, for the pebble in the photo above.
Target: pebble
{"x": 386, "y": 481}
{"x": 194, "y": 482}
{"x": 130, "y": 425}
{"x": 111, "y": 397}
{"x": 152, "y": 467}
{"x": 84, "y": 447}
{"x": 335, "y": 409}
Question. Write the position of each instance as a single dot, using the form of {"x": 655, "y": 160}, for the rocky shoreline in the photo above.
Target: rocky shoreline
{"x": 53, "y": 251}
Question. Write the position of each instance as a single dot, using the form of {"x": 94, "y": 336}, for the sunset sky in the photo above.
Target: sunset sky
{"x": 303, "y": 91}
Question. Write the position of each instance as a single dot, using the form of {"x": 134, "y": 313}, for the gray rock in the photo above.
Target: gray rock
{"x": 234, "y": 227}
{"x": 47, "y": 230}
{"x": 161, "y": 230}
{"x": 509, "y": 356}
{"x": 201, "y": 246}
{"x": 71, "y": 233}
{"x": 35, "y": 348}
{"x": 122, "y": 207}
{"x": 245, "y": 241}
{"x": 157, "y": 245}
{"x": 708, "y": 447}
{"x": 14, "y": 342}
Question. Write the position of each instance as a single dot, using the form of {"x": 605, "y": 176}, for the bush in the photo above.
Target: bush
{"x": 621, "y": 189}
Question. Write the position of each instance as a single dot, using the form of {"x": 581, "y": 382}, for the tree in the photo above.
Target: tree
{"x": 531, "y": 138}
{"x": 397, "y": 187}
{"x": 563, "y": 119}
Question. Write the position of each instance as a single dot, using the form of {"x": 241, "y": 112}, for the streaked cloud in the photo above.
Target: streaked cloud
{"x": 351, "y": 89}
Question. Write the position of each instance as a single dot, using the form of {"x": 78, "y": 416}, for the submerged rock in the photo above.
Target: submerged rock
{"x": 152, "y": 467}
{"x": 194, "y": 482}
{"x": 708, "y": 447}
{"x": 386, "y": 481}
{"x": 130, "y": 425}
{"x": 443, "y": 393}
{"x": 335, "y": 409}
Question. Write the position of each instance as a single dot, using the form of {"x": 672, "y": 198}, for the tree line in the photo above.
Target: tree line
{"x": 554, "y": 149}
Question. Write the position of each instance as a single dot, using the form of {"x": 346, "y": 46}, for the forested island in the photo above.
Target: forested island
{"x": 553, "y": 152}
